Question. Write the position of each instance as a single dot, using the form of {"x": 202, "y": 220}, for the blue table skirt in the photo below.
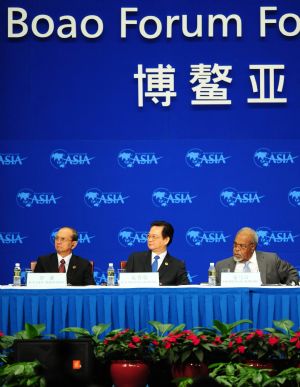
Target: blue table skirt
{"x": 194, "y": 306}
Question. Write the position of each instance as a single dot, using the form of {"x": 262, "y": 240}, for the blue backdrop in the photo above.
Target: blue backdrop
{"x": 107, "y": 133}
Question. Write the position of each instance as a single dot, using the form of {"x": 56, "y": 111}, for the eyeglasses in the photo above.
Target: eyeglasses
{"x": 242, "y": 246}
{"x": 58, "y": 239}
{"x": 154, "y": 237}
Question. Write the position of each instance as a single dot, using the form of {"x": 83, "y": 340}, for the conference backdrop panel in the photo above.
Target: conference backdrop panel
{"x": 115, "y": 114}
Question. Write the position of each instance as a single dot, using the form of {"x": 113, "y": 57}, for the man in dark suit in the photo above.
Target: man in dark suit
{"x": 272, "y": 269}
{"x": 171, "y": 270}
{"x": 79, "y": 270}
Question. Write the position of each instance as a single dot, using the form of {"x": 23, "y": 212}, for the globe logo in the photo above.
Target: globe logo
{"x": 194, "y": 236}
{"x": 53, "y": 234}
{"x": 160, "y": 197}
{"x": 100, "y": 275}
{"x": 126, "y": 158}
{"x": 58, "y": 158}
{"x": 228, "y": 197}
{"x": 262, "y": 157}
{"x": 129, "y": 237}
{"x": 193, "y": 158}
{"x": 263, "y": 234}
{"x": 25, "y": 198}
{"x": 92, "y": 197}
{"x": 294, "y": 196}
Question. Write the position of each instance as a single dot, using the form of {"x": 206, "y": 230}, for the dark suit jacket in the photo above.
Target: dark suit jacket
{"x": 273, "y": 270}
{"x": 79, "y": 270}
{"x": 171, "y": 272}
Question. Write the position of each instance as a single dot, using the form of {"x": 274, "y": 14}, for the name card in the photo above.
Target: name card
{"x": 46, "y": 280}
{"x": 240, "y": 279}
{"x": 139, "y": 280}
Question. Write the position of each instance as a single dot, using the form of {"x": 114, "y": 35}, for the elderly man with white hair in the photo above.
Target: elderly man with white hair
{"x": 272, "y": 269}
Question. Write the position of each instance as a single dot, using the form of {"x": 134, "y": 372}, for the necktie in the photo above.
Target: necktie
{"x": 155, "y": 263}
{"x": 246, "y": 268}
{"x": 61, "y": 267}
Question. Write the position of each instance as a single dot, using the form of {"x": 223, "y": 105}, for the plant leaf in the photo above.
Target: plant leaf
{"x": 160, "y": 327}
{"x": 284, "y": 325}
{"x": 100, "y": 328}
{"x": 77, "y": 331}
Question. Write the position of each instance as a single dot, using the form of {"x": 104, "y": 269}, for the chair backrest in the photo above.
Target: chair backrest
{"x": 123, "y": 264}
{"x": 92, "y": 266}
{"x": 32, "y": 265}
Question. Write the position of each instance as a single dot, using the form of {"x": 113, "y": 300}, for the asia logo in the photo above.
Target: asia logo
{"x": 195, "y": 158}
{"x": 11, "y": 238}
{"x": 60, "y": 159}
{"x": 266, "y": 236}
{"x": 83, "y": 237}
{"x": 27, "y": 198}
{"x": 195, "y": 236}
{"x": 230, "y": 197}
{"x": 94, "y": 197}
{"x": 264, "y": 157}
{"x": 128, "y": 158}
{"x": 294, "y": 197}
{"x": 129, "y": 237}
{"x": 11, "y": 159}
{"x": 162, "y": 197}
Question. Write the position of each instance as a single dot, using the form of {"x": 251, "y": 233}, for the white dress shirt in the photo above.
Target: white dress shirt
{"x": 253, "y": 266}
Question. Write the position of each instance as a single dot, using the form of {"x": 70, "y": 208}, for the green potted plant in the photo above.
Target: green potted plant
{"x": 257, "y": 348}
{"x": 129, "y": 353}
{"x": 160, "y": 365}
{"x": 240, "y": 374}
{"x": 294, "y": 348}
{"x": 289, "y": 339}
{"x": 20, "y": 373}
{"x": 186, "y": 351}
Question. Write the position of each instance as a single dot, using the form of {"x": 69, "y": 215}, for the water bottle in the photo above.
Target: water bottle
{"x": 17, "y": 275}
{"x": 212, "y": 274}
{"x": 110, "y": 275}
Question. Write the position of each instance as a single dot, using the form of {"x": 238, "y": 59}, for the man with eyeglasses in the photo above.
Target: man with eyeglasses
{"x": 171, "y": 270}
{"x": 79, "y": 270}
{"x": 272, "y": 269}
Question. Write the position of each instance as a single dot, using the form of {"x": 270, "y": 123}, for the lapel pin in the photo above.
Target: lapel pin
{"x": 166, "y": 263}
{"x": 73, "y": 267}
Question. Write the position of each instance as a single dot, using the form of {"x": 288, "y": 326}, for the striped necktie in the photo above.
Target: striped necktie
{"x": 61, "y": 267}
{"x": 155, "y": 263}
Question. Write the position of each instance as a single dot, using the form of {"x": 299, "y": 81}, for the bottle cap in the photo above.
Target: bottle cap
{"x": 212, "y": 264}
{"x": 110, "y": 264}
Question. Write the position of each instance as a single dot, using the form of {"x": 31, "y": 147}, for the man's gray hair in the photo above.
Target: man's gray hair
{"x": 250, "y": 231}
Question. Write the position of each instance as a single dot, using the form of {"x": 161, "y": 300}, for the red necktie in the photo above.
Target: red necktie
{"x": 61, "y": 267}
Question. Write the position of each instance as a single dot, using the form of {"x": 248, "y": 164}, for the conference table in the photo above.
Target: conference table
{"x": 195, "y": 306}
